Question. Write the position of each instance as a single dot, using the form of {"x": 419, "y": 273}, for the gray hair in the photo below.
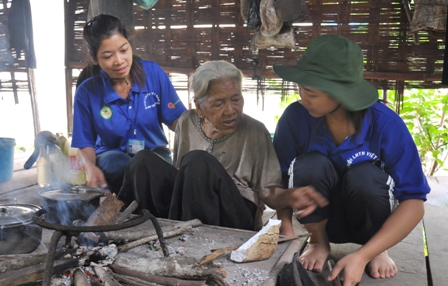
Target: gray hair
{"x": 210, "y": 72}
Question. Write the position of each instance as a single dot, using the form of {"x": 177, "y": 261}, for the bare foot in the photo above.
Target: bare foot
{"x": 382, "y": 266}
{"x": 287, "y": 231}
{"x": 314, "y": 257}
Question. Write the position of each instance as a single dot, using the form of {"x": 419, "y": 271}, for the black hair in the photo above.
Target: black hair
{"x": 357, "y": 117}
{"x": 87, "y": 72}
{"x": 102, "y": 27}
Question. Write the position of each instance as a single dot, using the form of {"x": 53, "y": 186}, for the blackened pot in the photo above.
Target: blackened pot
{"x": 18, "y": 233}
{"x": 67, "y": 206}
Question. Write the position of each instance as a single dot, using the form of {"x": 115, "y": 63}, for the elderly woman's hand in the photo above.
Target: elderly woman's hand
{"x": 305, "y": 200}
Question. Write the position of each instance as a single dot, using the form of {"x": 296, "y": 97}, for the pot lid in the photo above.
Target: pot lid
{"x": 83, "y": 193}
{"x": 14, "y": 214}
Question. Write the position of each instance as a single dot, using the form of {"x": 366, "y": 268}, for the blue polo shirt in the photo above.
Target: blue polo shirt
{"x": 384, "y": 136}
{"x": 104, "y": 120}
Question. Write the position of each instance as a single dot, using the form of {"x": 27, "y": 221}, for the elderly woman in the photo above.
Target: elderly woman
{"x": 227, "y": 168}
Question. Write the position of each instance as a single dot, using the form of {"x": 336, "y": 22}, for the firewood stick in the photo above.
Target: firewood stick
{"x": 228, "y": 248}
{"x": 156, "y": 278}
{"x": 105, "y": 277}
{"x": 139, "y": 242}
{"x": 18, "y": 257}
{"x": 133, "y": 281}
{"x": 139, "y": 232}
{"x": 18, "y": 261}
{"x": 106, "y": 211}
{"x": 127, "y": 212}
{"x": 280, "y": 240}
{"x": 215, "y": 254}
{"x": 180, "y": 267}
{"x": 103, "y": 215}
{"x": 34, "y": 273}
{"x": 80, "y": 278}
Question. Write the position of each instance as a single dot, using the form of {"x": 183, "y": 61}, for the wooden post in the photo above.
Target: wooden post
{"x": 34, "y": 106}
{"x": 122, "y": 9}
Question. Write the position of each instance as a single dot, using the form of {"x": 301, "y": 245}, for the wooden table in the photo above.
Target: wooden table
{"x": 200, "y": 241}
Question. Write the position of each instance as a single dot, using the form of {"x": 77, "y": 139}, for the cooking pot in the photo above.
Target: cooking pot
{"x": 18, "y": 233}
{"x": 64, "y": 206}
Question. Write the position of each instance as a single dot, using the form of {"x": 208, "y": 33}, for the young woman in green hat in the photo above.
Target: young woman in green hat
{"x": 355, "y": 151}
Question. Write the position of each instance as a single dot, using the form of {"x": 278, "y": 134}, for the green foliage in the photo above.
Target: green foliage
{"x": 286, "y": 100}
{"x": 424, "y": 112}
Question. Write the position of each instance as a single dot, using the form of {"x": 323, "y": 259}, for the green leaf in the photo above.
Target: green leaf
{"x": 407, "y": 109}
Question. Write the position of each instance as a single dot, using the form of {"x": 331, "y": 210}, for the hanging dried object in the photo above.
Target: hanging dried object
{"x": 253, "y": 14}
{"x": 270, "y": 22}
{"x": 429, "y": 15}
{"x": 292, "y": 11}
{"x": 284, "y": 39}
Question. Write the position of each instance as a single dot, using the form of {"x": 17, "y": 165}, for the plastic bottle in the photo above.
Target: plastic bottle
{"x": 44, "y": 173}
{"x": 62, "y": 141}
{"x": 78, "y": 174}
{"x": 59, "y": 166}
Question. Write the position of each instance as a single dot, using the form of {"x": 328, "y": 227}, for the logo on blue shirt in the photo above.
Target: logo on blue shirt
{"x": 151, "y": 100}
{"x": 361, "y": 156}
{"x": 106, "y": 112}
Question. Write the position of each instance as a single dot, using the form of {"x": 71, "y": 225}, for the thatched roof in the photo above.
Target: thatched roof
{"x": 180, "y": 35}
{"x": 403, "y": 40}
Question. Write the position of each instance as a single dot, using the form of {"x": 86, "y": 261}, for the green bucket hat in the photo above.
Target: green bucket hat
{"x": 333, "y": 64}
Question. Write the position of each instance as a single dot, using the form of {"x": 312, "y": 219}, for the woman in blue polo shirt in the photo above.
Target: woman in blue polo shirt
{"x": 120, "y": 111}
{"x": 355, "y": 151}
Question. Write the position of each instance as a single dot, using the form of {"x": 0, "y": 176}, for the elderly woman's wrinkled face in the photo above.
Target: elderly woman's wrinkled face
{"x": 222, "y": 107}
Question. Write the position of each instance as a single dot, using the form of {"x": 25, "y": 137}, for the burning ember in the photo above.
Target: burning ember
{"x": 90, "y": 258}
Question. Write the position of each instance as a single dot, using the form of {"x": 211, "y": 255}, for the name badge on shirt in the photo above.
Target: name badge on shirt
{"x": 135, "y": 145}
